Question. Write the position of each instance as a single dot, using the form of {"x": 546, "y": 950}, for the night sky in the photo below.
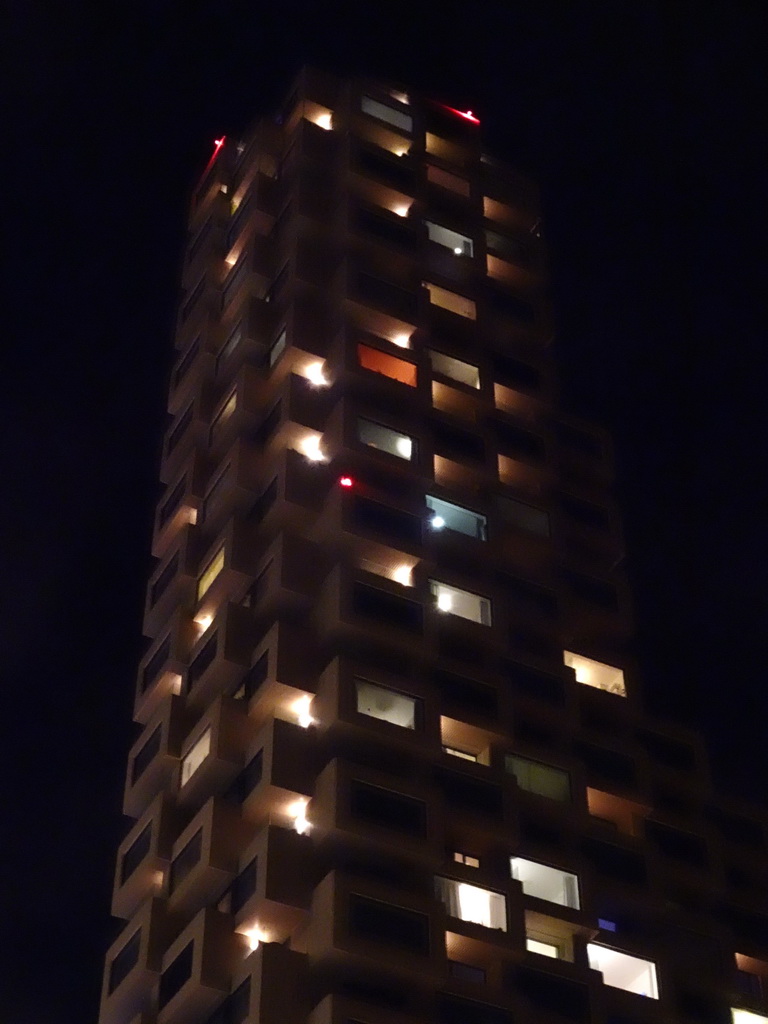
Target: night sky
{"x": 643, "y": 123}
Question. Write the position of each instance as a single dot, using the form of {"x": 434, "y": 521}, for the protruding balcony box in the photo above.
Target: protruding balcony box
{"x": 232, "y": 487}
{"x": 227, "y": 725}
{"x": 129, "y": 980}
{"x": 339, "y": 1009}
{"x": 136, "y": 879}
{"x": 332, "y": 942}
{"x": 467, "y": 940}
{"x": 336, "y": 619}
{"x": 187, "y": 432}
{"x": 287, "y": 773}
{"x": 216, "y": 953}
{"x": 194, "y": 367}
{"x": 154, "y": 757}
{"x": 333, "y": 820}
{"x": 282, "y": 674}
{"x": 161, "y": 668}
{"x": 288, "y": 575}
{"x": 220, "y": 656}
{"x": 376, "y": 305}
{"x": 490, "y": 952}
{"x": 180, "y": 504}
{"x": 271, "y": 1000}
{"x": 296, "y": 495}
{"x": 598, "y": 621}
{"x": 302, "y": 412}
{"x": 280, "y": 903}
{"x": 566, "y": 935}
{"x": 618, "y": 812}
{"x": 233, "y": 578}
{"x": 194, "y": 883}
{"x": 172, "y": 584}
{"x": 227, "y": 424}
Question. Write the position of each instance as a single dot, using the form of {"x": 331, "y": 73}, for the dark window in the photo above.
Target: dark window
{"x": 749, "y": 984}
{"x": 512, "y": 373}
{"x": 264, "y": 503}
{"x": 275, "y": 291}
{"x": 532, "y": 683}
{"x": 180, "y": 428}
{"x": 677, "y": 844}
{"x": 579, "y": 441}
{"x": 525, "y": 517}
{"x": 243, "y": 887}
{"x": 155, "y": 663}
{"x": 616, "y": 862}
{"x": 397, "y": 232}
{"x": 385, "y": 168}
{"x": 229, "y": 346}
{"x": 199, "y": 240}
{"x": 214, "y": 492}
{"x": 268, "y": 425}
{"x": 124, "y": 961}
{"x": 556, "y": 995}
{"x": 175, "y": 976}
{"x": 383, "y": 807}
{"x": 202, "y": 662}
{"x": 186, "y": 859}
{"x": 191, "y": 302}
{"x": 390, "y": 296}
{"x": 527, "y": 595}
{"x": 607, "y": 764}
{"x": 466, "y": 972}
{"x": 254, "y": 677}
{"x": 136, "y": 853}
{"x": 246, "y": 781}
{"x": 668, "y": 751}
{"x": 392, "y": 522}
{"x": 235, "y": 1007}
{"x": 517, "y": 441}
{"x": 163, "y": 581}
{"x": 455, "y": 1010}
{"x": 470, "y": 794}
{"x": 392, "y": 610}
{"x": 236, "y": 278}
{"x": 462, "y": 694}
{"x": 146, "y": 754}
{"x": 592, "y": 590}
{"x": 585, "y": 513}
{"x": 511, "y": 305}
{"x": 186, "y": 362}
{"x": 172, "y": 502}
{"x": 242, "y": 214}
{"x": 457, "y": 444}
{"x": 384, "y": 923}
{"x": 514, "y": 249}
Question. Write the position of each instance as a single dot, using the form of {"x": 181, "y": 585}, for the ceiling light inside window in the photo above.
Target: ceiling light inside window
{"x": 310, "y": 448}
{"x": 302, "y": 711}
{"x": 402, "y": 575}
{"x": 316, "y": 375}
{"x": 437, "y": 522}
{"x": 401, "y": 340}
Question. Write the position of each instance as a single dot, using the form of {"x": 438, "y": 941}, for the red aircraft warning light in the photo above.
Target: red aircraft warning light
{"x": 345, "y": 481}
{"x": 466, "y": 114}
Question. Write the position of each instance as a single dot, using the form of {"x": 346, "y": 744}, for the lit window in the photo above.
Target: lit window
{"x": 542, "y": 779}
{"x": 195, "y": 756}
{"x": 595, "y": 673}
{"x": 210, "y": 573}
{"x": 473, "y": 904}
{"x": 387, "y": 705}
{"x": 456, "y": 369}
{"x": 447, "y": 516}
{"x": 278, "y": 347}
{"x": 390, "y": 366}
{"x": 546, "y": 883}
{"x": 747, "y": 1017}
{"x": 451, "y": 301}
{"x": 463, "y": 754}
{"x": 542, "y": 948}
{"x": 461, "y": 602}
{"x": 384, "y": 113}
{"x": 385, "y": 439}
{"x": 459, "y": 244}
{"x": 222, "y": 416}
{"x": 466, "y": 859}
{"x": 447, "y": 180}
{"x": 631, "y": 973}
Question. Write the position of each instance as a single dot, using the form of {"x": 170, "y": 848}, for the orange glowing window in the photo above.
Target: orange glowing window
{"x": 390, "y": 366}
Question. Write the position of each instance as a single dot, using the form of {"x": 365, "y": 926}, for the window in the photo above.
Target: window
{"x": 459, "y": 244}
{"x": 229, "y": 346}
{"x": 243, "y": 887}
{"x": 384, "y": 113}
{"x": 248, "y": 779}
{"x": 235, "y": 279}
{"x": 456, "y": 369}
{"x": 277, "y": 348}
{"x": 595, "y": 673}
{"x": 620, "y": 970}
{"x": 185, "y": 860}
{"x": 175, "y": 976}
{"x": 747, "y": 1017}
{"x": 461, "y": 603}
{"x": 466, "y": 859}
{"x": 210, "y": 573}
{"x": 445, "y": 179}
{"x": 451, "y": 301}
{"x": 465, "y": 755}
{"x": 466, "y": 972}
{"x": 124, "y": 961}
{"x": 195, "y": 756}
{"x": 447, "y": 516}
{"x": 536, "y": 777}
{"x": 387, "y": 705}
{"x": 473, "y": 904}
{"x": 172, "y": 502}
{"x": 542, "y": 948}
{"x": 385, "y": 439}
{"x": 222, "y": 416}
{"x": 136, "y": 853}
{"x": 389, "y": 366}
{"x": 214, "y": 491}
{"x": 180, "y": 428}
{"x": 146, "y": 754}
{"x": 546, "y": 883}
{"x": 524, "y": 517}
{"x": 202, "y": 661}
{"x": 376, "y": 920}
{"x": 186, "y": 362}
{"x": 387, "y": 808}
{"x": 155, "y": 664}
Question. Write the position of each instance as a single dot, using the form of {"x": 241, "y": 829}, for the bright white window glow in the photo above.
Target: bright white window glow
{"x": 620, "y": 970}
{"x": 324, "y": 121}
{"x": 747, "y": 1017}
{"x": 210, "y": 573}
{"x": 437, "y": 522}
{"x": 375, "y": 435}
{"x": 461, "y": 602}
{"x": 310, "y": 448}
{"x": 471, "y": 903}
{"x": 456, "y": 369}
{"x": 384, "y": 113}
{"x": 401, "y": 211}
{"x": 457, "y": 243}
{"x": 402, "y": 575}
{"x": 315, "y": 374}
{"x": 542, "y": 948}
{"x": 455, "y": 517}
{"x": 386, "y": 705}
{"x": 195, "y": 756}
{"x": 278, "y": 347}
{"x": 595, "y": 673}
{"x": 546, "y": 883}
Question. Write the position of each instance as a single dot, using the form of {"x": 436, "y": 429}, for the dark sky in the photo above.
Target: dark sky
{"x": 644, "y": 124}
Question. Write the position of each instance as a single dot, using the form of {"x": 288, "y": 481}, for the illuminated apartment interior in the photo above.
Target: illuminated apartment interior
{"x": 392, "y": 764}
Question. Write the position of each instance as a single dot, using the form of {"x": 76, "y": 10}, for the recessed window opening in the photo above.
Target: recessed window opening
{"x": 386, "y": 705}
{"x": 546, "y": 883}
{"x": 451, "y": 301}
{"x": 620, "y": 970}
{"x": 747, "y": 1017}
{"x": 397, "y": 118}
{"x": 542, "y": 948}
{"x": 209, "y": 574}
{"x": 389, "y": 366}
{"x": 437, "y": 176}
{"x": 465, "y": 755}
{"x": 466, "y": 859}
{"x": 473, "y": 904}
{"x": 461, "y": 602}
{"x": 456, "y": 369}
{"x": 460, "y": 245}
{"x": 376, "y": 435}
{"x": 536, "y": 777}
{"x": 221, "y": 417}
{"x": 447, "y": 516}
{"x": 277, "y": 348}
{"x": 595, "y": 673}
{"x": 195, "y": 756}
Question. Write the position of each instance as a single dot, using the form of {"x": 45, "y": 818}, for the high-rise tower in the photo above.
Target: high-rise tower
{"x": 393, "y": 765}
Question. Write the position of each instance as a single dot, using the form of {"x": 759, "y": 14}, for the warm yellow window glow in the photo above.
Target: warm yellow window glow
{"x": 389, "y": 366}
{"x": 402, "y": 575}
{"x": 747, "y": 1017}
{"x": 254, "y": 936}
{"x": 451, "y": 301}
{"x": 298, "y": 812}
{"x": 210, "y": 573}
{"x": 542, "y": 948}
{"x": 302, "y": 710}
{"x": 595, "y": 673}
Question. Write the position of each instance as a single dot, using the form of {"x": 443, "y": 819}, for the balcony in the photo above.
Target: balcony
{"x": 220, "y": 656}
{"x": 154, "y": 757}
{"x": 142, "y": 858}
{"x": 133, "y": 964}
{"x": 213, "y": 752}
{"x": 172, "y": 584}
{"x": 161, "y": 668}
